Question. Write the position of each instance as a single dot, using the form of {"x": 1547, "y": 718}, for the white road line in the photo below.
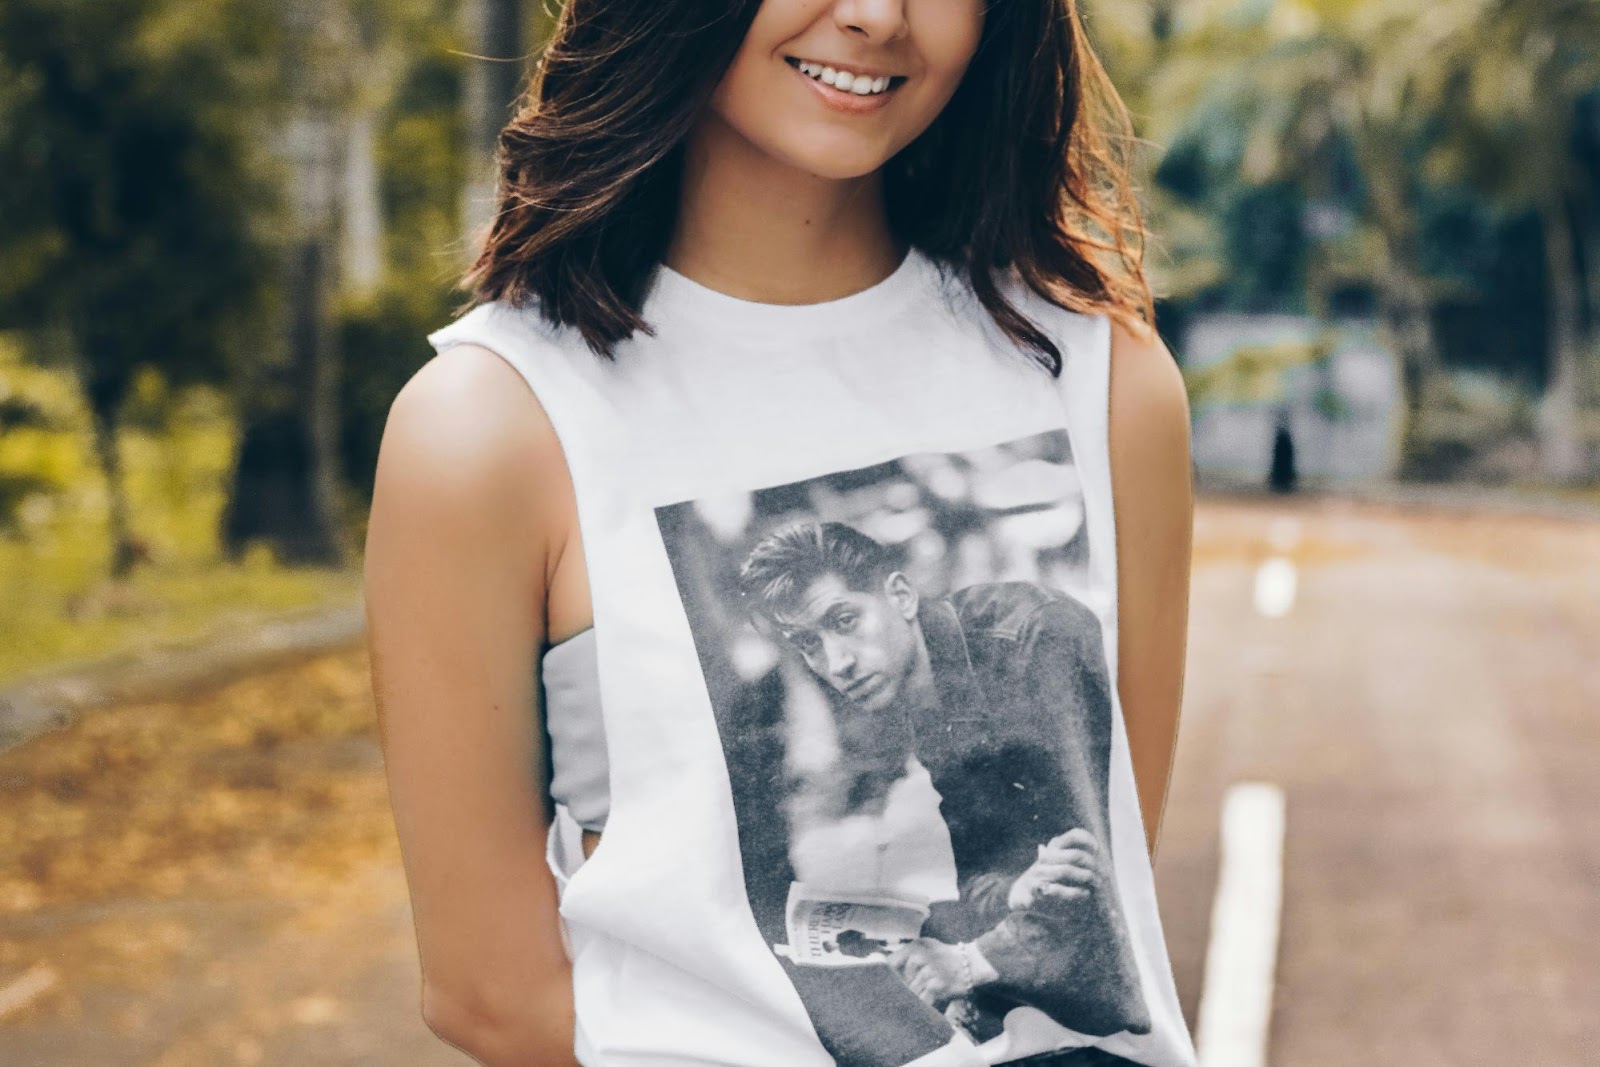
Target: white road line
{"x": 1276, "y": 582}
{"x": 26, "y": 988}
{"x": 1277, "y": 579}
{"x": 1236, "y": 1001}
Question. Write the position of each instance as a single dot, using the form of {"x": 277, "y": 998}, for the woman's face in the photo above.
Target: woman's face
{"x": 854, "y": 125}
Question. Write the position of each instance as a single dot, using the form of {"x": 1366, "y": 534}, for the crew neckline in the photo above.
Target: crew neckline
{"x": 675, "y": 295}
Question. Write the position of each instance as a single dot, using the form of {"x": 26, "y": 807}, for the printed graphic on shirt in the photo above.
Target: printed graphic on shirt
{"x": 914, "y": 703}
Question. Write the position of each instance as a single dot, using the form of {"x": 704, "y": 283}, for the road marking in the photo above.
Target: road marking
{"x": 1236, "y": 1000}
{"x": 1276, "y": 580}
{"x": 26, "y": 989}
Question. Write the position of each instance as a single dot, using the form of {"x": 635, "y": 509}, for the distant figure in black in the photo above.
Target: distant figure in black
{"x": 1283, "y": 477}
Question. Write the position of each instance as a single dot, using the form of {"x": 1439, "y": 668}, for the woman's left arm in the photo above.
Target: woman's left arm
{"x": 1153, "y": 488}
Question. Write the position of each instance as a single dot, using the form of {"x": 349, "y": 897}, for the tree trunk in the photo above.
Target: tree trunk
{"x": 493, "y": 84}
{"x": 105, "y": 375}
{"x": 124, "y": 550}
{"x": 1561, "y": 441}
{"x": 1408, "y": 318}
{"x": 286, "y": 482}
{"x": 1589, "y": 385}
{"x": 287, "y": 488}
{"x": 1405, "y": 306}
{"x": 361, "y": 246}
{"x": 1162, "y": 15}
{"x": 316, "y": 358}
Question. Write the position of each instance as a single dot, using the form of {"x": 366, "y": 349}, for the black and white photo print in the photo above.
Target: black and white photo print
{"x": 915, "y": 706}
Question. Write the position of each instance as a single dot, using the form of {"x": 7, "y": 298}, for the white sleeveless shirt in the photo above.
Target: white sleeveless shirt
{"x": 829, "y": 787}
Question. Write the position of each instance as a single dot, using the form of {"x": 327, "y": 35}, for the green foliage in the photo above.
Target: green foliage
{"x": 422, "y": 158}
{"x": 135, "y": 190}
{"x": 38, "y": 457}
{"x": 178, "y": 454}
{"x": 1326, "y": 155}
{"x": 1263, "y": 234}
{"x": 1254, "y": 374}
{"x": 144, "y": 210}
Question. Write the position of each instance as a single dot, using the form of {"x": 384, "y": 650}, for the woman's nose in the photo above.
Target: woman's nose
{"x": 879, "y": 21}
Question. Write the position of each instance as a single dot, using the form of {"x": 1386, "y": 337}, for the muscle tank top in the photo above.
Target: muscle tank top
{"x": 853, "y": 572}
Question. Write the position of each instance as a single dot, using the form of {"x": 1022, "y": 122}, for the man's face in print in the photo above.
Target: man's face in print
{"x": 862, "y": 643}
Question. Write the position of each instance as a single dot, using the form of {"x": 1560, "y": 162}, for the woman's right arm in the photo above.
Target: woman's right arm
{"x": 467, "y": 523}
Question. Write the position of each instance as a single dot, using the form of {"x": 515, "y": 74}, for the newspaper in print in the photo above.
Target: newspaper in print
{"x": 845, "y": 930}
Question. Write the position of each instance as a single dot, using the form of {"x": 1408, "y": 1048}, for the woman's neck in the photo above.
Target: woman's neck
{"x": 756, "y": 228}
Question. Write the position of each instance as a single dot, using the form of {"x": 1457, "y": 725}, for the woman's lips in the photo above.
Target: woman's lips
{"x": 847, "y": 102}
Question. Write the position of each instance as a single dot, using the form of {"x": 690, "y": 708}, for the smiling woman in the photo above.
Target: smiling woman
{"x": 749, "y": 574}
{"x": 1005, "y": 144}
{"x": 925, "y": 71}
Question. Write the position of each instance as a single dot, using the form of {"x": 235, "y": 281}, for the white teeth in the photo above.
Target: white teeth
{"x": 843, "y": 80}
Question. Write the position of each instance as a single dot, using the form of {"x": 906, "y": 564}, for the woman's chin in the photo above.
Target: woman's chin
{"x": 835, "y": 172}
{"x": 841, "y": 160}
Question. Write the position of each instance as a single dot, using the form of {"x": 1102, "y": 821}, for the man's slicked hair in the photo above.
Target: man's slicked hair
{"x": 785, "y": 562}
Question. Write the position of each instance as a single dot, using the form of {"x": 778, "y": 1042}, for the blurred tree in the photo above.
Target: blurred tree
{"x": 1327, "y": 97}
{"x": 20, "y": 413}
{"x": 344, "y": 65}
{"x": 132, "y": 195}
{"x": 420, "y": 150}
{"x": 1413, "y": 136}
{"x": 287, "y": 481}
{"x": 1514, "y": 85}
{"x": 395, "y": 45}
{"x": 499, "y": 33}
{"x": 1384, "y": 137}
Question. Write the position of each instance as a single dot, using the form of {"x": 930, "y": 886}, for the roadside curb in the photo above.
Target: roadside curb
{"x": 54, "y": 700}
{"x": 1438, "y": 498}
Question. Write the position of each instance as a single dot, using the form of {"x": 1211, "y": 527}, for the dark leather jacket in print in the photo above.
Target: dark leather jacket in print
{"x": 1019, "y": 750}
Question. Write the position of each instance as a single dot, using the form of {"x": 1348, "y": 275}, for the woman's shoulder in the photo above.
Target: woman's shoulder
{"x": 1148, "y": 392}
{"x": 463, "y": 423}
{"x": 499, "y": 323}
{"x": 466, "y": 443}
{"x": 1150, "y": 453}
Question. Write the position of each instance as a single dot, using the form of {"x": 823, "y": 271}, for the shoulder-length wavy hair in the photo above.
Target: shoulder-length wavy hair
{"x": 1025, "y": 170}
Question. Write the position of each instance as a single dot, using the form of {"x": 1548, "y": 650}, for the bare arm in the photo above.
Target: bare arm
{"x": 1154, "y": 493}
{"x": 465, "y": 529}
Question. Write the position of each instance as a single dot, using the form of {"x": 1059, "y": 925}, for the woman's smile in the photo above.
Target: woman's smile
{"x": 897, "y": 61}
{"x": 844, "y": 90}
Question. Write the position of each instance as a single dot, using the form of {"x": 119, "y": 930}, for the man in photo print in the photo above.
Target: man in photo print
{"x": 999, "y": 695}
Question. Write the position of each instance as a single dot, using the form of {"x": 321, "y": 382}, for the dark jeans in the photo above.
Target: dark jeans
{"x": 1077, "y": 1057}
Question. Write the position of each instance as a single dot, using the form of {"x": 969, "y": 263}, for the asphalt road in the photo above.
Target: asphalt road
{"x": 1430, "y": 706}
{"x": 214, "y": 880}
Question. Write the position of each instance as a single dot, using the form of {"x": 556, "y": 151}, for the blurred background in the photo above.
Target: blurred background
{"x": 227, "y": 225}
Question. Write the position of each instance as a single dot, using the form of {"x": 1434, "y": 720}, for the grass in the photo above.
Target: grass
{"x": 57, "y": 603}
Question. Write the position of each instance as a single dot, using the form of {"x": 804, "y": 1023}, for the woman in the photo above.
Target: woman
{"x": 860, "y": 279}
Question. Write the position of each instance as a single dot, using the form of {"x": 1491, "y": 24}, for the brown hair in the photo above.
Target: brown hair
{"x": 1026, "y": 169}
